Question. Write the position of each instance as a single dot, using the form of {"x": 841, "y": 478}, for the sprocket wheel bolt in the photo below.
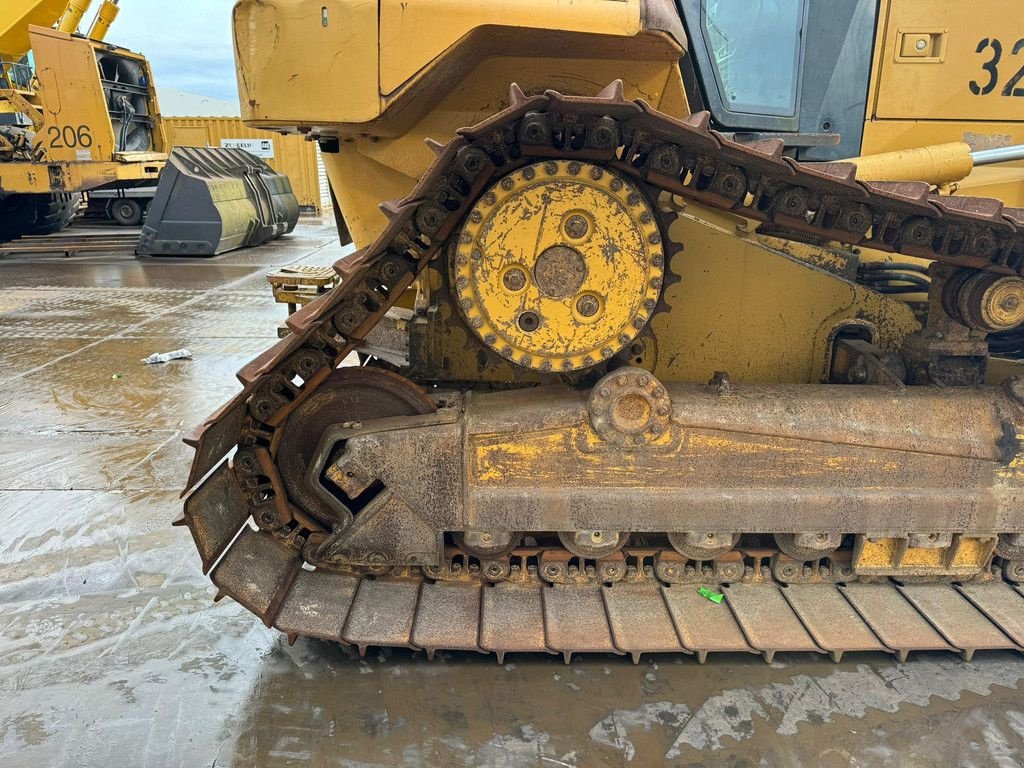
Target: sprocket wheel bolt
{"x": 588, "y": 305}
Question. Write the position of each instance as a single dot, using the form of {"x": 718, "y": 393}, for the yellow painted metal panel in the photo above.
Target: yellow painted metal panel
{"x": 368, "y": 170}
{"x": 72, "y": 96}
{"x": 950, "y": 61}
{"x": 314, "y": 61}
{"x": 293, "y": 155}
{"x": 15, "y": 18}
{"x": 413, "y": 33}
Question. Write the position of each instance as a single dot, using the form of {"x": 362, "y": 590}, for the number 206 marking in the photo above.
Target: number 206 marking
{"x": 992, "y": 68}
{"x": 69, "y": 136}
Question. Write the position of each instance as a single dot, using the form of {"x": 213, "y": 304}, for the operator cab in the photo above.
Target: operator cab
{"x": 790, "y": 69}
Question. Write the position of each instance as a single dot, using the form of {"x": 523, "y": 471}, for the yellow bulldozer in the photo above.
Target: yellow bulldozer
{"x": 683, "y": 326}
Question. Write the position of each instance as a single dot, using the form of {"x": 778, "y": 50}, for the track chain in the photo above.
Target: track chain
{"x": 816, "y": 202}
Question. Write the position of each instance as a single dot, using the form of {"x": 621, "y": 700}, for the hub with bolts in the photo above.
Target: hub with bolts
{"x": 572, "y": 284}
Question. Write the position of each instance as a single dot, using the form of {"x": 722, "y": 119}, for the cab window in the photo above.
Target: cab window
{"x": 756, "y": 48}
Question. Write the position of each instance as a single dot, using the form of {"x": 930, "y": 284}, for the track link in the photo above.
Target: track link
{"x": 264, "y": 570}
{"x": 525, "y": 614}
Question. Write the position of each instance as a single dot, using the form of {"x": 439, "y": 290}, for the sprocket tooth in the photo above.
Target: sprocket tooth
{"x": 516, "y": 95}
{"x": 393, "y": 208}
{"x": 179, "y": 522}
{"x": 435, "y": 146}
{"x": 699, "y": 120}
{"x": 292, "y": 637}
{"x": 614, "y": 91}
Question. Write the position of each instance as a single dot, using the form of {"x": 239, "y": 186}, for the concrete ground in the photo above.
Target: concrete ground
{"x": 113, "y": 654}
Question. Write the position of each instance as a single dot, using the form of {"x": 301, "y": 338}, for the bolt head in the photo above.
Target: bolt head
{"x": 515, "y": 279}
{"x": 588, "y": 305}
{"x": 576, "y": 226}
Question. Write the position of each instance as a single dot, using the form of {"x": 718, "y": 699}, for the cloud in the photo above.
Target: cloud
{"x": 188, "y": 43}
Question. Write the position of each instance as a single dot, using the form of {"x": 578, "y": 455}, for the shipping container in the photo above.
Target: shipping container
{"x": 291, "y": 155}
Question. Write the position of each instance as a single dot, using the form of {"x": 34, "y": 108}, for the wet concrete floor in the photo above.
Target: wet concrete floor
{"x": 112, "y": 653}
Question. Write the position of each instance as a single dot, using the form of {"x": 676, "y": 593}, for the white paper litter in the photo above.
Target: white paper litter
{"x": 163, "y": 357}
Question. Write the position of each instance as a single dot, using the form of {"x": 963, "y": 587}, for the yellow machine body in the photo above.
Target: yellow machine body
{"x": 18, "y": 16}
{"x": 68, "y": 111}
{"x": 629, "y": 337}
{"x": 415, "y": 70}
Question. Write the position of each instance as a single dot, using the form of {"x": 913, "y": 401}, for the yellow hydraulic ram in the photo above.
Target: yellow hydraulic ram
{"x": 938, "y": 164}
{"x": 104, "y": 19}
{"x": 73, "y": 16}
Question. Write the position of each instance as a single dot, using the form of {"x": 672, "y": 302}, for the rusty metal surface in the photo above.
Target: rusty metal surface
{"x": 704, "y": 626}
{"x": 1002, "y": 604}
{"x": 639, "y": 619}
{"x": 448, "y": 617}
{"x": 956, "y": 619}
{"x": 734, "y": 459}
{"x": 317, "y": 605}
{"x": 766, "y": 619}
{"x": 512, "y": 619}
{"x": 257, "y": 572}
{"x": 222, "y": 513}
{"x": 830, "y": 619}
{"x": 893, "y": 619}
{"x": 575, "y": 621}
{"x": 382, "y": 613}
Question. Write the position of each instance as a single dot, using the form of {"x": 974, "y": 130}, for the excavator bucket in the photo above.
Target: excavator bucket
{"x": 214, "y": 200}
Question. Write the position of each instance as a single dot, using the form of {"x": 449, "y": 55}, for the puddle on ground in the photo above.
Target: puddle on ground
{"x": 112, "y": 652}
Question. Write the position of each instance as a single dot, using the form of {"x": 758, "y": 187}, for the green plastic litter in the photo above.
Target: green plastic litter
{"x": 714, "y": 597}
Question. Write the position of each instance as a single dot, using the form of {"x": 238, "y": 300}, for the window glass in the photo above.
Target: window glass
{"x": 755, "y": 45}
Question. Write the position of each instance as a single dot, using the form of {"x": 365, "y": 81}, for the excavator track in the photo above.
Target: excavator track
{"x": 259, "y": 543}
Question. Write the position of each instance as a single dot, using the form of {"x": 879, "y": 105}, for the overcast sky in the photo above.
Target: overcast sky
{"x": 188, "y": 43}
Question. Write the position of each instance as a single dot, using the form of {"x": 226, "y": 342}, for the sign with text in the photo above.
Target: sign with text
{"x": 260, "y": 147}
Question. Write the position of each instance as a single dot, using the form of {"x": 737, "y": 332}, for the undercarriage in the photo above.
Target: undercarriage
{"x": 564, "y": 491}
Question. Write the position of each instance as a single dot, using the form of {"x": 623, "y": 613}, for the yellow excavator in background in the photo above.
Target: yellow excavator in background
{"x": 84, "y": 113}
{"x": 644, "y": 366}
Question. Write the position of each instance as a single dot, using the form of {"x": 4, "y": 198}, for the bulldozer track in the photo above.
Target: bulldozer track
{"x": 265, "y": 570}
